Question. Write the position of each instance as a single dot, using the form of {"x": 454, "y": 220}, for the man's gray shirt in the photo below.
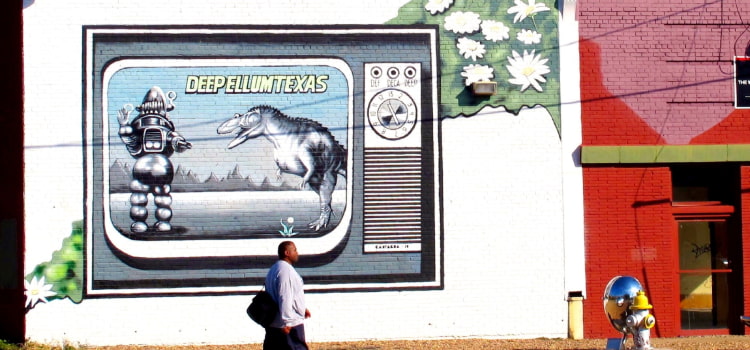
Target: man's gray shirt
{"x": 286, "y": 288}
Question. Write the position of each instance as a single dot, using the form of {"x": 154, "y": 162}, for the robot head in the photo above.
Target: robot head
{"x": 153, "y": 120}
{"x": 157, "y": 103}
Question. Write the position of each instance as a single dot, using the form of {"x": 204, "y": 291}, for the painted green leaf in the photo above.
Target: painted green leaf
{"x": 64, "y": 271}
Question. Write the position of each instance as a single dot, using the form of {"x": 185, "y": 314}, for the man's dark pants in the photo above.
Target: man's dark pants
{"x": 277, "y": 340}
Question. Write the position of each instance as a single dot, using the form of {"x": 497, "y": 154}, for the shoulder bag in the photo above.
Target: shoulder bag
{"x": 263, "y": 309}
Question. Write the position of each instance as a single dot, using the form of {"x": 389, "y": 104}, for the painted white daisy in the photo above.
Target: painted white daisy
{"x": 438, "y": 6}
{"x": 288, "y": 230}
{"x": 495, "y": 30}
{"x": 477, "y": 72}
{"x": 462, "y": 22}
{"x": 523, "y": 10}
{"x": 470, "y": 48}
{"x": 529, "y": 37}
{"x": 37, "y": 290}
{"x": 527, "y": 70}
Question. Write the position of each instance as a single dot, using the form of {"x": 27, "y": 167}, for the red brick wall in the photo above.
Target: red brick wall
{"x": 654, "y": 73}
{"x": 745, "y": 203}
{"x": 733, "y": 129}
{"x": 629, "y": 231}
{"x": 606, "y": 119}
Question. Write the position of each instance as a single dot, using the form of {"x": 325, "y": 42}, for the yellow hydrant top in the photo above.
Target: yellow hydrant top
{"x": 641, "y": 302}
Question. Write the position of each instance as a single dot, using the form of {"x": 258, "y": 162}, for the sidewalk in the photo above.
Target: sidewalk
{"x": 689, "y": 343}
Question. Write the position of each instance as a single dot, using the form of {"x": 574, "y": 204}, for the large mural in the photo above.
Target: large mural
{"x": 207, "y": 146}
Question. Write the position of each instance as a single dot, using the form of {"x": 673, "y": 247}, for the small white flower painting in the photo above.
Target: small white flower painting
{"x": 438, "y": 6}
{"x": 470, "y": 48}
{"x": 524, "y": 10}
{"x": 527, "y": 70}
{"x": 462, "y": 22}
{"x": 495, "y": 30}
{"x": 37, "y": 290}
{"x": 529, "y": 37}
{"x": 477, "y": 72}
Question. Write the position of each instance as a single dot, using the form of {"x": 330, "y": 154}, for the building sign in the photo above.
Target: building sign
{"x": 742, "y": 82}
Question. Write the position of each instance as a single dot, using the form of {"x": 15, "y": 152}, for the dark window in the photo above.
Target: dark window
{"x": 705, "y": 182}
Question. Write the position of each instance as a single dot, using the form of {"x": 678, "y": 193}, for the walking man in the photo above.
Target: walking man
{"x": 285, "y": 285}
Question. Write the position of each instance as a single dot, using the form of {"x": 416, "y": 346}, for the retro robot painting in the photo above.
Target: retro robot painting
{"x": 151, "y": 139}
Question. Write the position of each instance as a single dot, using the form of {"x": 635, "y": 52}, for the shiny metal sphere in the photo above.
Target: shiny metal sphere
{"x": 153, "y": 169}
{"x": 163, "y": 214}
{"x": 618, "y": 296}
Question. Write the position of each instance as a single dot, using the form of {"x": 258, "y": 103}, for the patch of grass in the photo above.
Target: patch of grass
{"x": 4, "y": 345}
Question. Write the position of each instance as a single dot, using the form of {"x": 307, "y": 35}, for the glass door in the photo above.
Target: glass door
{"x": 704, "y": 268}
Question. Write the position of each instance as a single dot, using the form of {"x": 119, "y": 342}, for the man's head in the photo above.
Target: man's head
{"x": 288, "y": 252}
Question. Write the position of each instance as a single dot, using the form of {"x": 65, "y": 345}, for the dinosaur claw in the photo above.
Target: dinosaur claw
{"x": 322, "y": 222}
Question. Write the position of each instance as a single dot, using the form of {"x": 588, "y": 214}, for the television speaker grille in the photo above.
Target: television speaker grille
{"x": 392, "y": 200}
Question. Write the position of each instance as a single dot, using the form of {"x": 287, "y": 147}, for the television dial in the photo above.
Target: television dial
{"x": 392, "y": 114}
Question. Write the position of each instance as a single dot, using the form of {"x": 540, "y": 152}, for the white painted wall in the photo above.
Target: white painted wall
{"x": 572, "y": 172}
{"x": 503, "y": 188}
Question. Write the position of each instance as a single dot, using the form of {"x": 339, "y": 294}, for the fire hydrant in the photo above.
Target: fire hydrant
{"x": 640, "y": 322}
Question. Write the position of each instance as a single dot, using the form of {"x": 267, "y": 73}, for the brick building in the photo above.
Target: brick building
{"x": 666, "y": 160}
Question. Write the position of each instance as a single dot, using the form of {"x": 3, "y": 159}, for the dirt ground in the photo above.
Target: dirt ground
{"x": 687, "y": 343}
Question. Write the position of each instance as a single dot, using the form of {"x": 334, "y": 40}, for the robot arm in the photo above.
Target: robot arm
{"x": 179, "y": 143}
{"x": 126, "y": 133}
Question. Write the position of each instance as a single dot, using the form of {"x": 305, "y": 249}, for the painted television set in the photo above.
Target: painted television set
{"x": 206, "y": 147}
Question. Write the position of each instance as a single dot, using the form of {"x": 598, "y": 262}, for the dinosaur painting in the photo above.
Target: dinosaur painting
{"x": 302, "y": 147}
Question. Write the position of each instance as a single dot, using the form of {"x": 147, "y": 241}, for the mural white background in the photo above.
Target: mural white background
{"x": 504, "y": 224}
